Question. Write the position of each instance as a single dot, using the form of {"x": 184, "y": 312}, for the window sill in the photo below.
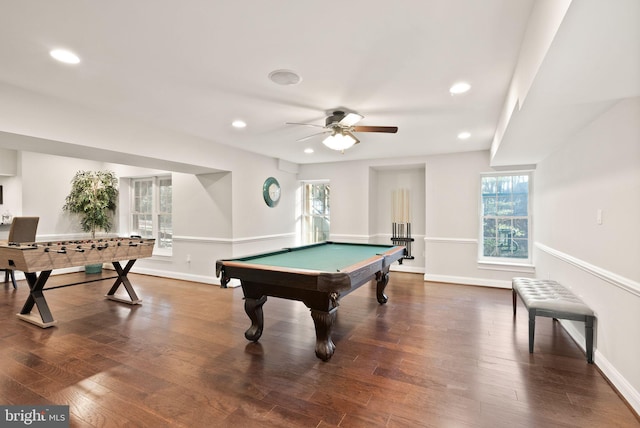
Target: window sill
{"x": 506, "y": 266}
{"x": 161, "y": 254}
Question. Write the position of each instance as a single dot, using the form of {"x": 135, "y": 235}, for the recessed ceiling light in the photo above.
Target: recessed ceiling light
{"x": 308, "y": 150}
{"x": 285, "y": 77}
{"x": 239, "y": 124}
{"x": 464, "y": 135}
{"x": 459, "y": 88}
{"x": 65, "y": 56}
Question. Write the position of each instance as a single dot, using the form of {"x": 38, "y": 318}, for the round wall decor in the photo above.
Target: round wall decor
{"x": 271, "y": 191}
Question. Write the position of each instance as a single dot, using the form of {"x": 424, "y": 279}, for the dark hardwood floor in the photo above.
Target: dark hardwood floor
{"x": 436, "y": 355}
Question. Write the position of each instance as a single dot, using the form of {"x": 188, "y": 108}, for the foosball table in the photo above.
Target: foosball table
{"x": 43, "y": 257}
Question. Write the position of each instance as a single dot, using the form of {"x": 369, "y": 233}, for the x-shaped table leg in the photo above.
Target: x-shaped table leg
{"x": 123, "y": 280}
{"x": 36, "y": 297}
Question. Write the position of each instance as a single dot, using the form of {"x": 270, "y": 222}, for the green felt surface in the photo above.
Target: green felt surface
{"x": 327, "y": 258}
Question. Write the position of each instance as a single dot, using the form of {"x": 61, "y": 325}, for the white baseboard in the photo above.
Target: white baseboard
{"x": 621, "y": 384}
{"x": 405, "y": 268}
{"x": 206, "y": 279}
{"x": 20, "y": 275}
{"x": 494, "y": 283}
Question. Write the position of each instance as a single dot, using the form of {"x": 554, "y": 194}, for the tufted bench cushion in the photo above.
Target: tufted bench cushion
{"x": 549, "y": 298}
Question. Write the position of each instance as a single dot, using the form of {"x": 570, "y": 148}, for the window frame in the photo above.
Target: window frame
{"x": 155, "y": 210}
{"x": 306, "y": 215}
{"x": 497, "y": 260}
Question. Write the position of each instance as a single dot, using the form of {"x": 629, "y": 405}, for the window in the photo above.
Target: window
{"x": 315, "y": 212}
{"x": 505, "y": 218}
{"x": 151, "y": 210}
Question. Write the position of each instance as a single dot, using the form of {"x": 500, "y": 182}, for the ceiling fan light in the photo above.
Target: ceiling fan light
{"x": 339, "y": 141}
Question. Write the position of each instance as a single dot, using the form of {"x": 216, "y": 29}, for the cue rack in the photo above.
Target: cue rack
{"x": 401, "y": 221}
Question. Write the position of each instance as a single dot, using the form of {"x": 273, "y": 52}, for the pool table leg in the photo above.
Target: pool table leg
{"x": 382, "y": 279}
{"x": 324, "y": 324}
{"x": 253, "y": 308}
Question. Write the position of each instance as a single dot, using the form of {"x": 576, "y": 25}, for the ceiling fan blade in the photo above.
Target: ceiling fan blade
{"x": 388, "y": 129}
{"x": 312, "y": 135}
{"x": 305, "y": 124}
{"x": 350, "y": 119}
{"x": 352, "y": 136}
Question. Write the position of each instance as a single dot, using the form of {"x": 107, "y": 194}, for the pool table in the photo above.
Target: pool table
{"x": 318, "y": 275}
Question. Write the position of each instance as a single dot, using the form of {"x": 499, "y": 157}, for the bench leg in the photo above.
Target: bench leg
{"x": 588, "y": 334}
{"x": 513, "y": 297}
{"x": 532, "y": 328}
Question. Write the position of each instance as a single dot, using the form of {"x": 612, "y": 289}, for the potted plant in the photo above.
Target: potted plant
{"x": 93, "y": 197}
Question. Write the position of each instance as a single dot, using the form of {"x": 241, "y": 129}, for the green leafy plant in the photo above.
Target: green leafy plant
{"x": 93, "y": 197}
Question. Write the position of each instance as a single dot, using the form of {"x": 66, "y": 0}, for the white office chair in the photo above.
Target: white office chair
{"x": 23, "y": 229}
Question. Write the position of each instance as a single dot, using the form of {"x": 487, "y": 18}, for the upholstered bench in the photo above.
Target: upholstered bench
{"x": 547, "y": 298}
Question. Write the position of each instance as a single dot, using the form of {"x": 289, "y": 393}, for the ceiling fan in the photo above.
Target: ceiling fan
{"x": 340, "y": 126}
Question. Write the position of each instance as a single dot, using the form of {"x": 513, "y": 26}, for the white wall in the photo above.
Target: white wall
{"x": 387, "y": 180}
{"x": 361, "y": 201}
{"x": 256, "y": 226}
{"x": 8, "y": 162}
{"x": 46, "y": 181}
{"x": 208, "y": 223}
{"x": 11, "y": 188}
{"x": 201, "y": 216}
{"x": 598, "y": 169}
{"x": 445, "y": 214}
{"x": 11, "y": 201}
{"x": 349, "y": 197}
{"x": 453, "y": 225}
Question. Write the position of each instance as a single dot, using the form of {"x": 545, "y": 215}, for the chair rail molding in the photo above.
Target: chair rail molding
{"x": 216, "y": 240}
{"x": 619, "y": 281}
{"x": 451, "y": 240}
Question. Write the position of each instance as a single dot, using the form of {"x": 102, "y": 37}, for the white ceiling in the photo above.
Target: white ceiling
{"x": 194, "y": 67}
